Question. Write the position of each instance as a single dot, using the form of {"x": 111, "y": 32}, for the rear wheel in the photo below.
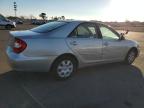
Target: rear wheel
{"x": 64, "y": 67}
{"x": 130, "y": 57}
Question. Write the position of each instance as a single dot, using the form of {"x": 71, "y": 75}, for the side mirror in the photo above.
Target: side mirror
{"x": 124, "y": 33}
{"x": 121, "y": 36}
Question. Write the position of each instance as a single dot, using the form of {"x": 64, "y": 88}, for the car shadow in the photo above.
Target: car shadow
{"x": 110, "y": 85}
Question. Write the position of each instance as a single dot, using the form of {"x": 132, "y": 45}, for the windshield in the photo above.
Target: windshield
{"x": 49, "y": 26}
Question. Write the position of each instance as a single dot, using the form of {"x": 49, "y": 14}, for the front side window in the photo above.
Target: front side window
{"x": 108, "y": 34}
{"x": 85, "y": 30}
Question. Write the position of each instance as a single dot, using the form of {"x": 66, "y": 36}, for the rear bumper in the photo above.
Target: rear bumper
{"x": 19, "y": 62}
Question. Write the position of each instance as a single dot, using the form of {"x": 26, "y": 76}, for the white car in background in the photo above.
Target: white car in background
{"x": 8, "y": 24}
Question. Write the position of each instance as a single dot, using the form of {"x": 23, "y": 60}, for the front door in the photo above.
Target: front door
{"x": 113, "y": 47}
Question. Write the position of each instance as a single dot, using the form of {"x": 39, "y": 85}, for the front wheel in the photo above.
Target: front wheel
{"x": 130, "y": 57}
{"x": 64, "y": 67}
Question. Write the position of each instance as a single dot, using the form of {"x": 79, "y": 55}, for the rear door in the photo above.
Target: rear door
{"x": 86, "y": 43}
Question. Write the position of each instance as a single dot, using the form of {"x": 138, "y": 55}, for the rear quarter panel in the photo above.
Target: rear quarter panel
{"x": 40, "y": 47}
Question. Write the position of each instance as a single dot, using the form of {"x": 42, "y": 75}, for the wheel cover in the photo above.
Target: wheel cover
{"x": 131, "y": 57}
{"x": 65, "y": 68}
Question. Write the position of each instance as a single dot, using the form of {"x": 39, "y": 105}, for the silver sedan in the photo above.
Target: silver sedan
{"x": 63, "y": 46}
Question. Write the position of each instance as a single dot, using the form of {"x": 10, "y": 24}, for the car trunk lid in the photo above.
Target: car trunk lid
{"x": 23, "y": 33}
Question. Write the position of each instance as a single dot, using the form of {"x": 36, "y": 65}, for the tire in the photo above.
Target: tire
{"x": 130, "y": 57}
{"x": 8, "y": 27}
{"x": 64, "y": 67}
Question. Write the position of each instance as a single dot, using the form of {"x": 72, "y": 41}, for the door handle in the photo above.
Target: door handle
{"x": 73, "y": 43}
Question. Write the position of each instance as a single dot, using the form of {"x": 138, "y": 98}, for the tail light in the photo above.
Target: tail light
{"x": 19, "y": 45}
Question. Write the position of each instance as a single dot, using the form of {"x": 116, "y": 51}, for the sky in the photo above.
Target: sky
{"x": 103, "y": 10}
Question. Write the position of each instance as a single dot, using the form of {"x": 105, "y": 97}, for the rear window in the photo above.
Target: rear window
{"x": 49, "y": 26}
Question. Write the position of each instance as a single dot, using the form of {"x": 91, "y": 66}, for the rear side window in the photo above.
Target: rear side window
{"x": 82, "y": 31}
{"x": 85, "y": 30}
{"x": 48, "y": 27}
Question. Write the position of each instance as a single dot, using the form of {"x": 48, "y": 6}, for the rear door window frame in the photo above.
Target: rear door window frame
{"x": 96, "y": 29}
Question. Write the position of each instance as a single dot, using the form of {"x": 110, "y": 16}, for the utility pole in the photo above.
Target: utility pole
{"x": 15, "y": 8}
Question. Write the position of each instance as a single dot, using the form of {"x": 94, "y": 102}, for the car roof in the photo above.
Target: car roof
{"x": 64, "y": 31}
{"x": 82, "y": 21}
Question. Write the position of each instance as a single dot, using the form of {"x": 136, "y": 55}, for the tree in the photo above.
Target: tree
{"x": 59, "y": 18}
{"x": 55, "y": 18}
{"x": 12, "y": 17}
{"x": 63, "y": 17}
{"x": 43, "y": 16}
